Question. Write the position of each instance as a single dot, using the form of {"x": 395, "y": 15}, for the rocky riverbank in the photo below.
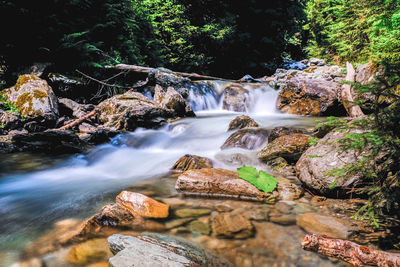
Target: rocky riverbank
{"x": 198, "y": 214}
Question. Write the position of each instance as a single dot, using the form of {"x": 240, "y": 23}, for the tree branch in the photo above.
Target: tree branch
{"x": 347, "y": 97}
{"x": 350, "y": 252}
{"x": 78, "y": 121}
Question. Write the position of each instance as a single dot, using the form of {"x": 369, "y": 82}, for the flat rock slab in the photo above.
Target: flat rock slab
{"x": 231, "y": 225}
{"x": 325, "y": 225}
{"x": 159, "y": 250}
{"x": 139, "y": 204}
{"x": 218, "y": 183}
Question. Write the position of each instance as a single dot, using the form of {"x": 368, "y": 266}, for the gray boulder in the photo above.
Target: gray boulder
{"x": 171, "y": 99}
{"x": 33, "y": 97}
{"x": 159, "y": 250}
{"x": 235, "y": 98}
{"x": 313, "y": 165}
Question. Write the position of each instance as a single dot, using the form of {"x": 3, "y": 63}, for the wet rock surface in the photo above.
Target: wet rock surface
{"x": 189, "y": 162}
{"x": 171, "y": 99}
{"x": 314, "y": 91}
{"x": 241, "y": 122}
{"x": 159, "y": 250}
{"x": 235, "y": 98}
{"x": 248, "y": 138}
{"x": 131, "y": 110}
{"x": 289, "y": 147}
{"x": 312, "y": 170}
{"x": 231, "y": 225}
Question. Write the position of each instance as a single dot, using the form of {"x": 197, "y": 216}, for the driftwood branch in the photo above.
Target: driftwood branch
{"x": 141, "y": 69}
{"x": 346, "y": 95}
{"x": 350, "y": 252}
{"x": 78, "y": 121}
{"x": 101, "y": 82}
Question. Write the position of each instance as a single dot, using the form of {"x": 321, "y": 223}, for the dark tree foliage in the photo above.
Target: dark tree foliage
{"x": 221, "y": 37}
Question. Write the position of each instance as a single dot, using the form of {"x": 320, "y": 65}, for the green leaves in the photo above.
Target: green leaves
{"x": 262, "y": 180}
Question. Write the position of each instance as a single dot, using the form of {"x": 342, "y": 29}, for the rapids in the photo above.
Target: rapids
{"x": 78, "y": 186}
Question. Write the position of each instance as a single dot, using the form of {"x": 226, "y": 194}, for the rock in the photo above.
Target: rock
{"x": 218, "y": 182}
{"x": 289, "y": 147}
{"x": 33, "y": 97}
{"x": 185, "y": 213}
{"x": 71, "y": 87}
{"x": 172, "y": 100}
{"x": 247, "y": 139}
{"x": 316, "y": 62}
{"x": 141, "y": 205}
{"x": 73, "y": 109}
{"x": 65, "y": 232}
{"x": 231, "y": 225}
{"x": 178, "y": 222}
{"x": 281, "y": 131}
{"x": 9, "y": 121}
{"x": 241, "y": 122}
{"x": 91, "y": 251}
{"x": 325, "y": 225}
{"x": 159, "y": 250}
{"x": 199, "y": 228}
{"x": 288, "y": 190}
{"x": 50, "y": 141}
{"x": 166, "y": 78}
{"x": 311, "y": 170}
{"x": 86, "y": 128}
{"x": 235, "y": 98}
{"x": 313, "y": 97}
{"x": 367, "y": 73}
{"x": 131, "y": 110}
{"x": 113, "y": 217}
{"x": 189, "y": 162}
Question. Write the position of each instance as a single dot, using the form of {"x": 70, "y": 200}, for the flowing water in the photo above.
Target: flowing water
{"x": 30, "y": 202}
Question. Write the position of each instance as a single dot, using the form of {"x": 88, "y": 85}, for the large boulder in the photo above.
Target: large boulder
{"x": 320, "y": 159}
{"x": 33, "y": 97}
{"x": 171, "y": 99}
{"x": 218, "y": 182}
{"x": 248, "y": 138}
{"x": 241, "y": 122}
{"x": 314, "y": 91}
{"x": 160, "y": 250}
{"x": 131, "y": 110}
{"x": 305, "y": 96}
{"x": 289, "y": 147}
{"x": 235, "y": 98}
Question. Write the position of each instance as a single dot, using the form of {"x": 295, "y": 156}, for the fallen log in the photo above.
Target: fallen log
{"x": 148, "y": 69}
{"x": 78, "y": 121}
{"x": 350, "y": 252}
{"x": 347, "y": 98}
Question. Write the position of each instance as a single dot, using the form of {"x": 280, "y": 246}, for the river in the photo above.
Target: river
{"x": 32, "y": 200}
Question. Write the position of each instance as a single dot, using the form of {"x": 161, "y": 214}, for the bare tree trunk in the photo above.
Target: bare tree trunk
{"x": 350, "y": 252}
{"x": 78, "y": 121}
{"x": 346, "y": 95}
{"x": 147, "y": 70}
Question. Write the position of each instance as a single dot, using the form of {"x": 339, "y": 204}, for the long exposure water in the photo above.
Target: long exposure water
{"x": 30, "y": 202}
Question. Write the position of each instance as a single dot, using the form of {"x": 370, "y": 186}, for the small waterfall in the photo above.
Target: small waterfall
{"x": 209, "y": 95}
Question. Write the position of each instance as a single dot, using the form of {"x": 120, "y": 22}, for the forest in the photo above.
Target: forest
{"x": 233, "y": 121}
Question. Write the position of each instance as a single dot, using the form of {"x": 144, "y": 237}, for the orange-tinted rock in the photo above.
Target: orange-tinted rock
{"x": 217, "y": 182}
{"x": 91, "y": 251}
{"x": 241, "y": 122}
{"x": 138, "y": 204}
